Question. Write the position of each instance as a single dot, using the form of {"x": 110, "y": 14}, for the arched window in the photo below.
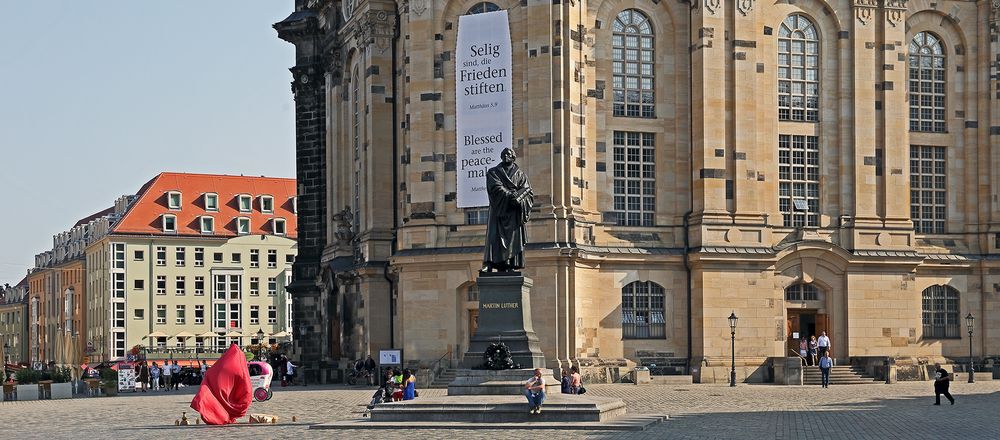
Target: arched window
{"x": 798, "y": 70}
{"x": 801, "y": 292}
{"x": 940, "y": 306}
{"x": 927, "y": 61}
{"x": 632, "y": 64}
{"x": 472, "y": 293}
{"x": 643, "y": 311}
{"x": 480, "y": 8}
{"x": 356, "y": 115}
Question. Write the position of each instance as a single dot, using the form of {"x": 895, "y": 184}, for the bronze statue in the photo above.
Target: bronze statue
{"x": 510, "y": 205}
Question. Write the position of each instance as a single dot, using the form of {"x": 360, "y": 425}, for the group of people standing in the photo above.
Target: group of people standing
{"x": 167, "y": 377}
{"x": 816, "y": 352}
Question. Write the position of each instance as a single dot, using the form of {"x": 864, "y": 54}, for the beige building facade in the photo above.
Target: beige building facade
{"x": 809, "y": 166}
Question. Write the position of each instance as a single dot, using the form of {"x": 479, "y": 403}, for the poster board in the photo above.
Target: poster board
{"x": 390, "y": 357}
{"x": 126, "y": 379}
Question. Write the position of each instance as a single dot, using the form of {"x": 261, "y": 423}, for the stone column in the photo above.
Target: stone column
{"x": 309, "y": 88}
{"x": 864, "y": 45}
{"x": 894, "y": 162}
{"x": 992, "y": 138}
{"x": 751, "y": 144}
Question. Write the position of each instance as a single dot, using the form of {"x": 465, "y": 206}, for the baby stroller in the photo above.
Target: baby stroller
{"x": 260, "y": 380}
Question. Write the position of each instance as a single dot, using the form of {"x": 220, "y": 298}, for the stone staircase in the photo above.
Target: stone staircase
{"x": 443, "y": 379}
{"x": 839, "y": 375}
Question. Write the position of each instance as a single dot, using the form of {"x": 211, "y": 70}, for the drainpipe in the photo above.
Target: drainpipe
{"x": 687, "y": 215}
{"x": 395, "y": 181}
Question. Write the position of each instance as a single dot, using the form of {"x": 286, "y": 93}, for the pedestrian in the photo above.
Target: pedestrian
{"x": 289, "y": 371}
{"x": 175, "y": 375}
{"x": 823, "y": 343}
{"x": 370, "y": 369}
{"x": 143, "y": 374}
{"x": 804, "y": 351}
{"x": 397, "y": 385}
{"x": 812, "y": 349}
{"x": 204, "y": 368}
{"x": 576, "y": 383}
{"x": 942, "y": 380}
{"x": 566, "y": 382}
{"x": 534, "y": 390}
{"x": 167, "y": 374}
{"x": 154, "y": 377}
{"x": 409, "y": 385}
{"x": 825, "y": 364}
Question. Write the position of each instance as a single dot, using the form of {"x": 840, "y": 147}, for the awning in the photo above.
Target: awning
{"x": 208, "y": 335}
{"x": 281, "y": 334}
{"x": 157, "y": 335}
{"x": 234, "y": 334}
{"x": 184, "y": 335}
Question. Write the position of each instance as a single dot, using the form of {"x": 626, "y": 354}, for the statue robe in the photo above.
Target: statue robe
{"x": 505, "y": 236}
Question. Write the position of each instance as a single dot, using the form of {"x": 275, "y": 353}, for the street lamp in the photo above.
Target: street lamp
{"x": 732, "y": 333}
{"x": 260, "y": 341}
{"x": 969, "y": 322}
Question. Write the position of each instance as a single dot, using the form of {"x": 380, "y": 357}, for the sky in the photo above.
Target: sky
{"x": 97, "y": 97}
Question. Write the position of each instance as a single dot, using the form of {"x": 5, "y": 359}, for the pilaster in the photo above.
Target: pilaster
{"x": 892, "y": 155}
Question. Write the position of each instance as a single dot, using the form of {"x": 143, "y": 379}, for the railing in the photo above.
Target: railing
{"x": 436, "y": 367}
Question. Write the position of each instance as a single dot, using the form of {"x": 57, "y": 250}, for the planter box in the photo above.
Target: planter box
{"x": 62, "y": 391}
{"x": 27, "y": 392}
{"x": 110, "y": 391}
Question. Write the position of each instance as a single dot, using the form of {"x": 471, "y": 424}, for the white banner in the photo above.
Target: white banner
{"x": 483, "y": 93}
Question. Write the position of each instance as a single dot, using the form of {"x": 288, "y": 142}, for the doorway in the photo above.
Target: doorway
{"x": 800, "y": 325}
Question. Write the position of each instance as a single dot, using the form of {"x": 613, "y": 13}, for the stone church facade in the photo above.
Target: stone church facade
{"x": 808, "y": 165}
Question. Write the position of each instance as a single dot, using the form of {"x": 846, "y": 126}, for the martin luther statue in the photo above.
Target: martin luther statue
{"x": 510, "y": 205}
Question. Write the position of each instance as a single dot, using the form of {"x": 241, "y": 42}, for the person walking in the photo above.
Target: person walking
{"x": 823, "y": 343}
{"x": 370, "y": 369}
{"x": 804, "y": 351}
{"x": 534, "y": 390}
{"x": 289, "y": 371}
{"x": 942, "y": 381}
{"x": 154, "y": 377}
{"x": 812, "y": 349}
{"x": 825, "y": 364}
{"x": 143, "y": 374}
{"x": 168, "y": 375}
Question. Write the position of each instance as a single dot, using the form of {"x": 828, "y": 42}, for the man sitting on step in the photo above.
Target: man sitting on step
{"x": 534, "y": 390}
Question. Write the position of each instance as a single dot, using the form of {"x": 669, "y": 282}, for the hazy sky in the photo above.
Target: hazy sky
{"x": 97, "y": 97}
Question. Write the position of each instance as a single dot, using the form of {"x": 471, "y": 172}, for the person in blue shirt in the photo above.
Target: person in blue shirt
{"x": 825, "y": 364}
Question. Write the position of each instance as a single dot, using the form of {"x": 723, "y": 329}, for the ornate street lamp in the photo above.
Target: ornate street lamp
{"x": 260, "y": 341}
{"x": 970, "y": 321}
{"x": 732, "y": 330}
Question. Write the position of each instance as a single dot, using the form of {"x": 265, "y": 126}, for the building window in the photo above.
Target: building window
{"x": 211, "y": 202}
{"x": 207, "y": 225}
{"x": 272, "y": 286}
{"x": 118, "y": 255}
{"x": 272, "y": 258}
{"x": 179, "y": 285}
{"x": 278, "y": 226}
{"x": 290, "y": 258}
{"x": 199, "y": 257}
{"x": 266, "y": 204}
{"x": 940, "y": 313}
{"x": 802, "y": 292}
{"x": 798, "y": 180}
{"x": 927, "y": 83}
{"x": 242, "y": 225}
{"x": 68, "y": 310}
{"x": 472, "y": 293}
{"x": 254, "y": 315}
{"x": 235, "y": 315}
{"x": 179, "y": 256}
{"x": 118, "y": 285}
{"x": 245, "y": 203}
{"x": 798, "y": 70}
{"x": 161, "y": 284}
{"x": 643, "y": 311}
{"x": 119, "y": 315}
{"x": 236, "y": 257}
{"x": 632, "y": 65}
{"x": 138, "y": 255}
{"x": 254, "y": 258}
{"x": 161, "y": 255}
{"x": 928, "y": 201}
{"x": 161, "y": 313}
{"x": 227, "y": 287}
{"x": 217, "y": 257}
{"x": 138, "y": 284}
{"x": 199, "y": 314}
{"x": 482, "y": 7}
{"x": 174, "y": 200}
{"x": 139, "y": 314}
{"x": 254, "y": 286}
{"x": 169, "y": 223}
{"x": 634, "y": 179}
{"x": 272, "y": 315}
{"x": 199, "y": 286}
{"x": 477, "y": 216}
{"x": 181, "y": 314}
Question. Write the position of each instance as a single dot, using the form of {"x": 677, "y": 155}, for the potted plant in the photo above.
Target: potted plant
{"x": 27, "y": 384}
{"x": 62, "y": 386}
{"x": 109, "y": 382}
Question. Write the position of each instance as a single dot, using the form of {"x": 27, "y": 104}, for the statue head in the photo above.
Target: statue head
{"x": 507, "y": 156}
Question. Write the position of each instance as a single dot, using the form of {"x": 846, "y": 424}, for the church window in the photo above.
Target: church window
{"x": 643, "y": 311}
{"x": 927, "y": 83}
{"x": 798, "y": 180}
{"x": 928, "y": 199}
{"x": 940, "y": 313}
{"x": 482, "y": 7}
{"x": 634, "y": 185}
{"x": 798, "y": 70}
{"x": 632, "y": 65}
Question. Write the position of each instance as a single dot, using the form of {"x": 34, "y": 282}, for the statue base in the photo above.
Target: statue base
{"x": 505, "y": 316}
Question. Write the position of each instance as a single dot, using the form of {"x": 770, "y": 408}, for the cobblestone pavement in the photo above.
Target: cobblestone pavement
{"x": 756, "y": 412}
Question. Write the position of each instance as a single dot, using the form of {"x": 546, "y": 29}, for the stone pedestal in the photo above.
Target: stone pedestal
{"x": 497, "y": 382}
{"x": 505, "y": 316}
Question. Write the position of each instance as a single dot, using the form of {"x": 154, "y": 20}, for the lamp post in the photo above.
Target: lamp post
{"x": 260, "y": 341}
{"x": 732, "y": 333}
{"x": 970, "y": 321}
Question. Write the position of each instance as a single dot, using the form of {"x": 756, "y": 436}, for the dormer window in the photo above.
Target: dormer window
{"x": 211, "y": 202}
{"x": 245, "y": 202}
{"x": 278, "y": 226}
{"x": 266, "y": 204}
{"x": 174, "y": 200}
{"x": 169, "y": 223}
{"x": 243, "y": 226}
{"x": 207, "y": 225}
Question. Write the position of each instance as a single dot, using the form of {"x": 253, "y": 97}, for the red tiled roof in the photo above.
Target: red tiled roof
{"x": 145, "y": 214}
{"x": 97, "y": 215}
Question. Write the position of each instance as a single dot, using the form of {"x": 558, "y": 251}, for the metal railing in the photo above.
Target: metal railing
{"x": 436, "y": 366}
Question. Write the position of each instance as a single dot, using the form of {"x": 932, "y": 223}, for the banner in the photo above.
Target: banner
{"x": 483, "y": 94}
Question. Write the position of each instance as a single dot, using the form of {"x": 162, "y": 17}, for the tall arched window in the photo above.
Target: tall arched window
{"x": 356, "y": 134}
{"x": 927, "y": 84}
{"x": 632, "y": 64}
{"x": 643, "y": 311}
{"x": 798, "y": 70}
{"x": 941, "y": 319}
{"x": 802, "y": 292}
{"x": 480, "y": 8}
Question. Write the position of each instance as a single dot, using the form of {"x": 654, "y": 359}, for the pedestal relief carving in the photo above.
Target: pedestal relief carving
{"x": 864, "y": 10}
{"x": 418, "y": 7}
{"x": 744, "y": 6}
{"x": 894, "y": 11}
{"x": 713, "y": 5}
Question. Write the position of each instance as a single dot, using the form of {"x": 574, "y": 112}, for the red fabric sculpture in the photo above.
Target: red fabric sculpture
{"x": 225, "y": 393}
